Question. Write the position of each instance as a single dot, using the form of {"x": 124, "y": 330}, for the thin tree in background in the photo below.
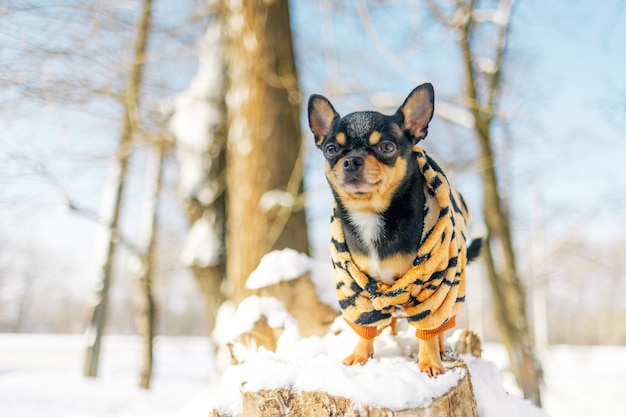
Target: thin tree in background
{"x": 142, "y": 263}
{"x": 481, "y": 34}
{"x": 87, "y": 68}
{"x": 483, "y": 86}
{"x": 264, "y": 168}
{"x": 112, "y": 196}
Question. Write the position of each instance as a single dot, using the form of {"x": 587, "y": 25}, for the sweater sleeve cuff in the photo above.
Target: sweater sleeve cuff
{"x": 366, "y": 332}
{"x": 427, "y": 334}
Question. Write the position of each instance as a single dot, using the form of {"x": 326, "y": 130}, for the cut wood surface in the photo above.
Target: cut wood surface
{"x": 459, "y": 401}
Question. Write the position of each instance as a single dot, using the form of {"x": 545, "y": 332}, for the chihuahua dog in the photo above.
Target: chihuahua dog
{"x": 398, "y": 227}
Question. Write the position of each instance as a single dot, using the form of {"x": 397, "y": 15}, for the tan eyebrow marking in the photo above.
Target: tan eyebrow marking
{"x": 375, "y": 138}
{"x": 340, "y": 138}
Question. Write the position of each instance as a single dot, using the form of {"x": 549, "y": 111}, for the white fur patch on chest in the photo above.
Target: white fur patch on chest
{"x": 369, "y": 227}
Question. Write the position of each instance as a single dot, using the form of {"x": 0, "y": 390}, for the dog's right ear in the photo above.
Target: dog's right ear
{"x": 321, "y": 117}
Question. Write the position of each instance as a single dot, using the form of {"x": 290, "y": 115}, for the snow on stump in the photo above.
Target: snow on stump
{"x": 299, "y": 376}
{"x": 257, "y": 323}
{"x": 286, "y": 275}
{"x": 457, "y": 402}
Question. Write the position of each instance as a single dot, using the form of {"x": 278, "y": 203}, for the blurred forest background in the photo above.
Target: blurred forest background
{"x": 153, "y": 151}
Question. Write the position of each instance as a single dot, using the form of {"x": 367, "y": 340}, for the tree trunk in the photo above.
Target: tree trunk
{"x": 263, "y": 146}
{"x": 507, "y": 290}
{"x": 112, "y": 199}
{"x": 201, "y": 152}
{"x": 143, "y": 263}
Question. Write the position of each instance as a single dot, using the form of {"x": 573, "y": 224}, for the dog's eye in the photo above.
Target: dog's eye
{"x": 331, "y": 149}
{"x": 386, "y": 147}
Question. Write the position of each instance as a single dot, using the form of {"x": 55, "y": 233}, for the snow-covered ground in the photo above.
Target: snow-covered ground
{"x": 40, "y": 375}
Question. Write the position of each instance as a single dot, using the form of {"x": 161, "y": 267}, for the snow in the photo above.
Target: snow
{"x": 491, "y": 398}
{"x": 275, "y": 198}
{"x": 40, "y": 375}
{"x": 195, "y": 117}
{"x": 277, "y": 266}
{"x": 203, "y": 246}
{"x": 233, "y": 322}
{"x": 287, "y": 264}
{"x": 314, "y": 364}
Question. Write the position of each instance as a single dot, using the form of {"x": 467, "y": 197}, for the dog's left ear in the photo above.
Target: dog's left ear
{"x": 417, "y": 110}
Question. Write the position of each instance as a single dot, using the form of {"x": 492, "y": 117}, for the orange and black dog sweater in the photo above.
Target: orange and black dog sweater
{"x": 432, "y": 292}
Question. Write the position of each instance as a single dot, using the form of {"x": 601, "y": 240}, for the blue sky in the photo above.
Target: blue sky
{"x": 578, "y": 100}
{"x": 566, "y": 96}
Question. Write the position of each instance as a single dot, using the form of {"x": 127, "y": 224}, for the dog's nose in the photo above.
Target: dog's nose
{"x": 353, "y": 163}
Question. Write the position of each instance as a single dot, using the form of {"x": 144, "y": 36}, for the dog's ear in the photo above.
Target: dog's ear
{"x": 321, "y": 117}
{"x": 416, "y": 112}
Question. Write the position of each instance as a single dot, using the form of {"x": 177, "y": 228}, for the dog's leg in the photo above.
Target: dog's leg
{"x": 363, "y": 350}
{"x": 442, "y": 347}
{"x": 429, "y": 355}
{"x": 394, "y": 324}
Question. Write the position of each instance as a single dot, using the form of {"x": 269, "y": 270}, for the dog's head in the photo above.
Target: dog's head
{"x": 368, "y": 154}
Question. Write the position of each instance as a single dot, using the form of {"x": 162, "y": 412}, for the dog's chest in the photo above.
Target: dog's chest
{"x": 369, "y": 229}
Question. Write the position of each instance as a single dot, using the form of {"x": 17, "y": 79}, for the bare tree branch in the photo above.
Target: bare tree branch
{"x": 447, "y": 111}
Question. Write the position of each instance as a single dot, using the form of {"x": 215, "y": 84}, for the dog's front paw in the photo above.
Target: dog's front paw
{"x": 429, "y": 356}
{"x": 356, "y": 359}
{"x": 431, "y": 368}
{"x": 363, "y": 351}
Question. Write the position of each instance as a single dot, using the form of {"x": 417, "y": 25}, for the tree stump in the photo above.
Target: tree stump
{"x": 459, "y": 401}
{"x": 469, "y": 342}
{"x": 302, "y": 302}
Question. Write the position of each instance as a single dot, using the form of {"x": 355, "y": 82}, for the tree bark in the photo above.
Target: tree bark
{"x": 263, "y": 145}
{"x": 112, "y": 198}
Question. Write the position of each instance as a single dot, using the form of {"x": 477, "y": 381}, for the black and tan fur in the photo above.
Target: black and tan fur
{"x": 398, "y": 228}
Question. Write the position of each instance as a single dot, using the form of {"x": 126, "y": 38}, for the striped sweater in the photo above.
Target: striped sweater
{"x": 432, "y": 292}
